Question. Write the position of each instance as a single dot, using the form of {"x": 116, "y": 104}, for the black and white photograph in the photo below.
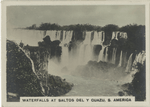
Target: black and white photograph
{"x": 69, "y": 51}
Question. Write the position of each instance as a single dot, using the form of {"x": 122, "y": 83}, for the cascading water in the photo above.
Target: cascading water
{"x": 98, "y": 38}
{"x": 120, "y": 61}
{"x": 81, "y": 54}
{"x": 95, "y": 38}
{"x": 87, "y": 39}
{"x": 85, "y": 49}
{"x": 88, "y": 48}
{"x": 68, "y": 36}
{"x": 101, "y": 54}
{"x": 123, "y": 35}
{"x": 124, "y": 59}
{"x": 143, "y": 57}
{"x": 72, "y": 56}
{"x": 88, "y": 53}
{"x": 129, "y": 64}
{"x": 52, "y": 34}
{"x": 63, "y": 37}
{"x": 114, "y": 55}
{"x": 140, "y": 58}
{"x": 65, "y": 56}
{"x": 115, "y": 35}
{"x": 106, "y": 55}
{"x": 58, "y": 33}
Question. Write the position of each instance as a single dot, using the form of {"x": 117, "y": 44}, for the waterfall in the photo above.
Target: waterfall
{"x": 95, "y": 38}
{"x": 58, "y": 33}
{"x": 81, "y": 54}
{"x": 88, "y": 53}
{"x": 117, "y": 34}
{"x": 123, "y": 35}
{"x": 135, "y": 60}
{"x": 143, "y": 57}
{"x": 98, "y": 38}
{"x": 84, "y": 51}
{"x": 113, "y": 35}
{"x": 87, "y": 39}
{"x": 120, "y": 61}
{"x": 125, "y": 59}
{"x": 114, "y": 55}
{"x": 68, "y": 36}
{"x": 63, "y": 37}
{"x": 129, "y": 64}
{"x": 106, "y": 55}
{"x": 140, "y": 58}
{"x": 65, "y": 56}
{"x": 52, "y": 34}
{"x": 86, "y": 48}
{"x": 101, "y": 54}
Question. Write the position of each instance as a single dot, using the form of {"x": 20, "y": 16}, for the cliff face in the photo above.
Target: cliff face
{"x": 21, "y": 76}
{"x": 26, "y": 70}
{"x": 138, "y": 84}
{"x": 137, "y": 87}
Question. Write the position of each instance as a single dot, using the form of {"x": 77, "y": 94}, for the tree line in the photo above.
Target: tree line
{"x": 54, "y": 26}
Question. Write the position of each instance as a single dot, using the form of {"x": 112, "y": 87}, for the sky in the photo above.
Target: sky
{"x": 101, "y": 15}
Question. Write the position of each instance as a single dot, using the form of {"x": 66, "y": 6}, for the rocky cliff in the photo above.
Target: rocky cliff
{"x": 27, "y": 77}
{"x": 137, "y": 87}
{"x": 21, "y": 76}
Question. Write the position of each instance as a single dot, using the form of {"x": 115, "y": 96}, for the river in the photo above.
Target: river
{"x": 93, "y": 86}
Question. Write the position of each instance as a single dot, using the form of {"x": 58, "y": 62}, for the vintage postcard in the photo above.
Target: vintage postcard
{"x": 75, "y": 53}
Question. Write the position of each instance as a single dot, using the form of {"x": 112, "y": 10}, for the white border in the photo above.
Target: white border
{"x": 43, "y": 3}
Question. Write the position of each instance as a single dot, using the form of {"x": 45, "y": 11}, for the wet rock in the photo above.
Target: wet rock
{"x": 58, "y": 86}
{"x": 120, "y": 93}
